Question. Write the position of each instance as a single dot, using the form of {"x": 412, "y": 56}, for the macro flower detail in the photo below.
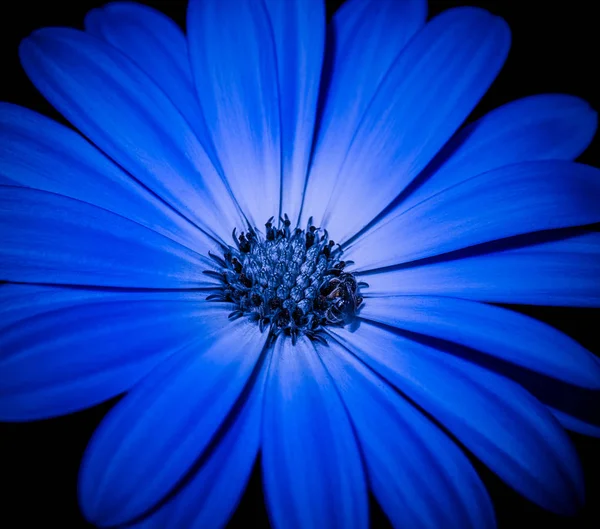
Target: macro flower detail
{"x": 275, "y": 237}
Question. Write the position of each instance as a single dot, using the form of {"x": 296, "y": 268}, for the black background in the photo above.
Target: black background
{"x": 555, "y": 49}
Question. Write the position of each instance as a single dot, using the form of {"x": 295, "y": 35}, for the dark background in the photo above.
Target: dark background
{"x": 555, "y": 49}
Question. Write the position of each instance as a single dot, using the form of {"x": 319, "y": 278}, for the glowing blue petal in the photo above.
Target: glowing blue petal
{"x": 40, "y": 153}
{"x": 298, "y": 29}
{"x": 431, "y": 88}
{"x": 553, "y": 273}
{"x": 365, "y": 38}
{"x": 540, "y": 127}
{"x": 493, "y": 417}
{"x": 48, "y": 238}
{"x": 501, "y": 333}
{"x": 115, "y": 104}
{"x": 419, "y": 476}
{"x": 63, "y": 350}
{"x": 512, "y": 200}
{"x": 153, "y": 437}
{"x": 234, "y": 62}
{"x": 574, "y": 424}
{"x": 312, "y": 470}
{"x": 158, "y": 46}
{"x": 212, "y": 494}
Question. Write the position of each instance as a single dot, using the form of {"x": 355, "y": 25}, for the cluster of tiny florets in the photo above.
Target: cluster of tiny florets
{"x": 289, "y": 281}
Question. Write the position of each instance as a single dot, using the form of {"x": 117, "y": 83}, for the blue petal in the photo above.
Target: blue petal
{"x": 234, "y": 62}
{"x": 498, "y": 332}
{"x": 179, "y": 407}
{"x": 312, "y": 470}
{"x": 158, "y": 46}
{"x": 212, "y": 494}
{"x": 400, "y": 446}
{"x": 541, "y": 127}
{"x": 40, "y": 153}
{"x": 365, "y": 38}
{"x": 574, "y": 424}
{"x": 68, "y": 349}
{"x": 424, "y": 98}
{"x": 115, "y": 104}
{"x": 563, "y": 273}
{"x": 48, "y": 238}
{"x": 298, "y": 30}
{"x": 493, "y": 417}
{"x": 513, "y": 200}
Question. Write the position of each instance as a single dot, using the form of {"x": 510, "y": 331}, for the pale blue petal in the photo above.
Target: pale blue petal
{"x": 312, "y": 469}
{"x": 419, "y": 476}
{"x": 158, "y": 46}
{"x": 118, "y": 107}
{"x": 234, "y": 63}
{"x": 298, "y": 30}
{"x": 424, "y": 98}
{"x": 512, "y": 200}
{"x": 213, "y": 492}
{"x": 503, "y": 334}
{"x": 48, "y": 238}
{"x": 40, "y": 153}
{"x": 365, "y": 38}
{"x": 68, "y": 350}
{"x": 153, "y": 437}
{"x": 494, "y": 418}
{"x": 563, "y": 273}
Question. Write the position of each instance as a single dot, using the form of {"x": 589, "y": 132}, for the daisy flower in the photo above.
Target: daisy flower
{"x": 276, "y": 237}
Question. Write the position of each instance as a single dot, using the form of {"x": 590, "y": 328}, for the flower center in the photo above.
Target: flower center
{"x": 291, "y": 282}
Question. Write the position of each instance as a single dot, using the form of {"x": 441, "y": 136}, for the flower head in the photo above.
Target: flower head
{"x": 286, "y": 245}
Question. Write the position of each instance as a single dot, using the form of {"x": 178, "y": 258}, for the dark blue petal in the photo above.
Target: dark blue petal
{"x": 541, "y": 127}
{"x": 426, "y": 95}
{"x": 40, "y": 153}
{"x": 504, "y": 334}
{"x": 152, "y": 438}
{"x": 512, "y": 200}
{"x": 212, "y": 494}
{"x": 158, "y": 46}
{"x": 553, "y": 273}
{"x": 419, "y": 476}
{"x": 574, "y": 424}
{"x": 312, "y": 470}
{"x": 48, "y": 238}
{"x": 234, "y": 64}
{"x": 63, "y": 350}
{"x": 298, "y": 29}
{"x": 493, "y": 417}
{"x": 115, "y": 104}
{"x": 365, "y": 38}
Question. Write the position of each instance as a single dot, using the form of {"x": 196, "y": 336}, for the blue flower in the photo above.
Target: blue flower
{"x": 349, "y": 330}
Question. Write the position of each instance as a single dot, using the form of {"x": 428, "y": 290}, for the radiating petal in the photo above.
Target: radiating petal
{"x": 563, "y": 273}
{"x": 365, "y": 38}
{"x": 540, "y": 127}
{"x": 513, "y": 200}
{"x": 298, "y": 32}
{"x": 37, "y": 152}
{"x": 424, "y": 98}
{"x": 234, "y": 63}
{"x": 212, "y": 494}
{"x": 312, "y": 470}
{"x": 398, "y": 443}
{"x": 503, "y": 334}
{"x": 574, "y": 424}
{"x": 48, "y": 238}
{"x": 59, "y": 358}
{"x": 493, "y": 417}
{"x": 179, "y": 407}
{"x": 158, "y": 46}
{"x": 115, "y": 104}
